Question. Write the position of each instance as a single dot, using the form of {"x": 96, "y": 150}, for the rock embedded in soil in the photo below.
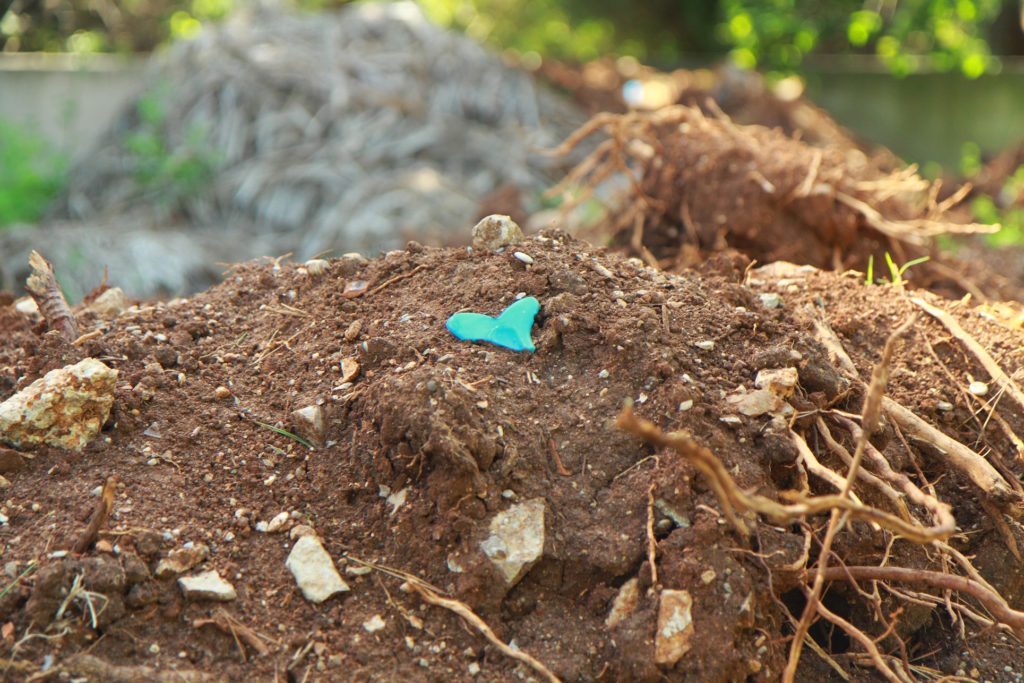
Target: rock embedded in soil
{"x": 65, "y": 408}
{"x": 207, "y": 586}
{"x": 516, "y": 540}
{"x": 314, "y": 571}
{"x": 496, "y": 231}
{"x": 625, "y": 602}
{"x": 675, "y": 627}
{"x": 180, "y": 560}
{"x": 309, "y": 424}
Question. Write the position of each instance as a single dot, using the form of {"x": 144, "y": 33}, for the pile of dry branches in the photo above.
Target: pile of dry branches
{"x": 699, "y": 183}
{"x": 348, "y": 130}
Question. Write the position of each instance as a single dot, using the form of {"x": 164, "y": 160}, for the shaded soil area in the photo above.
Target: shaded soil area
{"x": 434, "y": 436}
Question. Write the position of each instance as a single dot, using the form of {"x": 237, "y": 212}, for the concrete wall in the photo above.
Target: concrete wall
{"x": 68, "y": 98}
{"x": 925, "y": 117}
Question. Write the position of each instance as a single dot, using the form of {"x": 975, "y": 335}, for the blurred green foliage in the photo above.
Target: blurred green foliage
{"x": 776, "y": 35}
{"x": 31, "y": 174}
{"x": 168, "y": 174}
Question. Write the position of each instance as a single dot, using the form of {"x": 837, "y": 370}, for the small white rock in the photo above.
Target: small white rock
{"x": 374, "y": 624}
{"x": 316, "y": 266}
{"x": 277, "y": 522}
{"x": 603, "y": 374}
{"x": 314, "y": 570}
{"x": 516, "y": 541}
{"x": 978, "y": 388}
{"x": 944, "y": 405}
{"x": 705, "y": 345}
{"x": 525, "y": 258}
{"x": 770, "y": 300}
{"x": 686, "y": 405}
{"x": 207, "y": 586}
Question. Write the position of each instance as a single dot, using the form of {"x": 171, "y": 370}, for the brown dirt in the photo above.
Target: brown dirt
{"x": 468, "y": 429}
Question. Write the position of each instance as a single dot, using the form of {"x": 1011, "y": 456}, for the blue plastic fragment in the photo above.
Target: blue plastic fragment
{"x": 511, "y": 329}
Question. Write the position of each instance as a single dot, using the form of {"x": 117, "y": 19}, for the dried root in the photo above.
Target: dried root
{"x": 42, "y": 285}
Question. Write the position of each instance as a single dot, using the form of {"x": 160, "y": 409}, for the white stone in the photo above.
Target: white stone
{"x": 110, "y": 304}
{"x": 65, "y": 408}
{"x": 675, "y": 627}
{"x": 277, "y": 522}
{"x": 978, "y": 388}
{"x": 624, "y": 604}
{"x": 314, "y": 570}
{"x": 705, "y": 345}
{"x": 496, "y": 231}
{"x": 770, "y": 300}
{"x": 180, "y": 560}
{"x": 780, "y": 381}
{"x": 207, "y": 586}
{"x": 516, "y": 540}
{"x": 374, "y": 624}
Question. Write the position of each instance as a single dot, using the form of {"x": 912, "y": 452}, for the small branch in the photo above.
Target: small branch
{"x": 42, "y": 285}
{"x": 463, "y": 610}
{"x": 100, "y": 512}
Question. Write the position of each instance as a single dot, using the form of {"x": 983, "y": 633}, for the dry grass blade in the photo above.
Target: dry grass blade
{"x": 42, "y": 285}
{"x": 463, "y": 610}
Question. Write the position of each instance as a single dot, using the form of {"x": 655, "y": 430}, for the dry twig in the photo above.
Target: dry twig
{"x": 100, "y": 512}
{"x": 42, "y": 285}
{"x": 463, "y": 610}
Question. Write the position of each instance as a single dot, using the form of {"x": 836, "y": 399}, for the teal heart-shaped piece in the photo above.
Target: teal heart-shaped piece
{"x": 511, "y": 329}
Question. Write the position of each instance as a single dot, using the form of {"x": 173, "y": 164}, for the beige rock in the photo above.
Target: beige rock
{"x": 314, "y": 570}
{"x": 110, "y": 304}
{"x": 207, "y": 586}
{"x": 516, "y": 541}
{"x": 496, "y": 231}
{"x": 309, "y": 424}
{"x": 65, "y": 408}
{"x": 624, "y": 604}
{"x": 675, "y": 627}
{"x": 180, "y": 560}
{"x": 780, "y": 381}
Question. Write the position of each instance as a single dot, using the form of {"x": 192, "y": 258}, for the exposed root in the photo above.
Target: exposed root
{"x": 42, "y": 285}
{"x": 463, "y": 610}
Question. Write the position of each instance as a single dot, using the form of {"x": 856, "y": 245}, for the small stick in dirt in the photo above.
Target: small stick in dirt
{"x": 652, "y": 545}
{"x": 397, "y": 278}
{"x": 100, "y": 512}
{"x": 239, "y": 631}
{"x": 974, "y": 347}
{"x": 558, "y": 461}
{"x": 463, "y": 610}
{"x": 42, "y": 285}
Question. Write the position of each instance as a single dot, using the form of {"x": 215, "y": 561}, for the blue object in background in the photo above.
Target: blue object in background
{"x": 511, "y": 329}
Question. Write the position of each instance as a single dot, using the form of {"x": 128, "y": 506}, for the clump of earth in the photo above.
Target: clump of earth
{"x": 326, "y": 404}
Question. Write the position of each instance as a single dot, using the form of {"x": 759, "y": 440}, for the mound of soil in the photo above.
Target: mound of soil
{"x": 434, "y": 437}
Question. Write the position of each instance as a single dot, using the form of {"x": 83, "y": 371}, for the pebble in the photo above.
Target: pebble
{"x": 624, "y": 603}
{"x": 207, "y": 586}
{"x": 374, "y": 624}
{"x": 516, "y": 541}
{"x": 770, "y": 300}
{"x": 277, "y": 522}
{"x": 525, "y": 258}
{"x": 978, "y": 388}
{"x": 314, "y": 570}
{"x": 496, "y": 231}
{"x": 222, "y": 393}
{"x": 675, "y": 627}
{"x": 944, "y": 405}
{"x": 686, "y": 405}
{"x": 705, "y": 345}
{"x": 316, "y": 266}
{"x": 603, "y": 374}
{"x": 65, "y": 408}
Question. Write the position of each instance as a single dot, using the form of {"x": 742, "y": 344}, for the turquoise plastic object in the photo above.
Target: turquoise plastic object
{"x": 511, "y": 329}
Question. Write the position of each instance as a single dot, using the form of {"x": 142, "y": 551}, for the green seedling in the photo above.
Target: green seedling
{"x": 285, "y": 432}
{"x": 895, "y": 272}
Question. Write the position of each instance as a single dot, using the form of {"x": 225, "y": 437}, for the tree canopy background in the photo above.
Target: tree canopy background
{"x": 906, "y": 35}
